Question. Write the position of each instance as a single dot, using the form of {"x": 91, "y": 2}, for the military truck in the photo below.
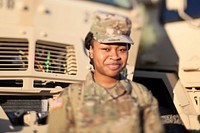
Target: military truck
{"x": 168, "y": 61}
{"x": 42, "y": 52}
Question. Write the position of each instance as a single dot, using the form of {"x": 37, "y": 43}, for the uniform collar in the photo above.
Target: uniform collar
{"x": 92, "y": 87}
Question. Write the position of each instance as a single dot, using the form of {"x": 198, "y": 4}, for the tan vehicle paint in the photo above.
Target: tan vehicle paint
{"x": 41, "y": 52}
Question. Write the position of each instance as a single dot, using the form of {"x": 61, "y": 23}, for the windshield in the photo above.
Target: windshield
{"x": 192, "y": 9}
{"x": 126, "y": 4}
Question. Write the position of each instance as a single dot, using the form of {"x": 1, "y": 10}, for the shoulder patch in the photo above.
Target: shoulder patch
{"x": 54, "y": 104}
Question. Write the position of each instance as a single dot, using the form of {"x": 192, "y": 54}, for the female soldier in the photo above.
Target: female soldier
{"x": 106, "y": 102}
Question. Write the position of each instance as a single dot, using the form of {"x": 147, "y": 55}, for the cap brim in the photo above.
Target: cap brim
{"x": 114, "y": 39}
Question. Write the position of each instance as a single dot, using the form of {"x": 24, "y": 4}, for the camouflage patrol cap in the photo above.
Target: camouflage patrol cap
{"x": 111, "y": 28}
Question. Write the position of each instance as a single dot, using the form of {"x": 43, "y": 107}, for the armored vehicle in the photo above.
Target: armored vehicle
{"x": 42, "y": 52}
{"x": 168, "y": 60}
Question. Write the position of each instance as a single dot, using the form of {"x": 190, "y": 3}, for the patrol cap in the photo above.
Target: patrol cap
{"x": 111, "y": 28}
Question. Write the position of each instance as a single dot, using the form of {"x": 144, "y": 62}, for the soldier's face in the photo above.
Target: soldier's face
{"x": 109, "y": 59}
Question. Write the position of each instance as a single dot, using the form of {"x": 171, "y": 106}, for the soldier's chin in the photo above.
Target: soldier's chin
{"x": 113, "y": 74}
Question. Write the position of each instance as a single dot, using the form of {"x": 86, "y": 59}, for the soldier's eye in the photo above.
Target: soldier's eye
{"x": 106, "y": 49}
{"x": 123, "y": 50}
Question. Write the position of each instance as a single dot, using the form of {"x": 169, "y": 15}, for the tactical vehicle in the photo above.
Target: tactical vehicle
{"x": 168, "y": 61}
{"x": 42, "y": 52}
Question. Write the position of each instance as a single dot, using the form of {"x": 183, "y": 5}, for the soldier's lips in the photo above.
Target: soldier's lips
{"x": 113, "y": 66}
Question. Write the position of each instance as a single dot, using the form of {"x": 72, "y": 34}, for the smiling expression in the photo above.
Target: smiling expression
{"x": 109, "y": 59}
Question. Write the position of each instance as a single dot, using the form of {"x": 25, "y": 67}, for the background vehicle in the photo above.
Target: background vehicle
{"x": 41, "y": 52}
{"x": 168, "y": 60}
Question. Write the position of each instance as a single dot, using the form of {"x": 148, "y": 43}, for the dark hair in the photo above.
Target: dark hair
{"x": 88, "y": 40}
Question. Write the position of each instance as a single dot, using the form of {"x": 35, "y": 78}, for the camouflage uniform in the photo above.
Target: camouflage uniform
{"x": 90, "y": 108}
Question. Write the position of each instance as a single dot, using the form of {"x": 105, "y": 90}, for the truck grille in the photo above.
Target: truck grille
{"x": 55, "y": 58}
{"x": 17, "y": 106}
{"x": 13, "y": 55}
{"x": 24, "y": 103}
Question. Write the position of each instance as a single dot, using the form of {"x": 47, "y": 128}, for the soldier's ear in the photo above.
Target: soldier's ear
{"x": 91, "y": 51}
